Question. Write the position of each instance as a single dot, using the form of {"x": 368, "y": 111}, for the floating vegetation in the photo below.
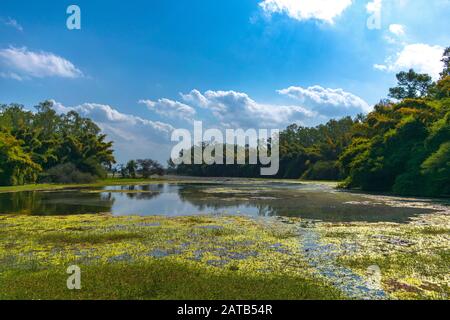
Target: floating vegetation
{"x": 414, "y": 258}
{"x": 323, "y": 258}
{"x": 218, "y": 245}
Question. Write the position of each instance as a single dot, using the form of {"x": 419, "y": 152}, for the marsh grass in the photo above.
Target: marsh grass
{"x": 199, "y": 257}
{"x": 435, "y": 231}
{"x": 397, "y": 271}
{"x": 162, "y": 279}
{"x": 414, "y": 258}
{"x": 216, "y": 232}
{"x": 90, "y": 238}
{"x": 214, "y": 257}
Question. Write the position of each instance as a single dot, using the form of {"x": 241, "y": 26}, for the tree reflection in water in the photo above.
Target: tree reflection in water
{"x": 55, "y": 203}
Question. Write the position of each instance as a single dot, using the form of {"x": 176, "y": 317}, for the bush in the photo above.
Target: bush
{"x": 409, "y": 184}
{"x": 93, "y": 167}
{"x": 323, "y": 170}
{"x": 67, "y": 173}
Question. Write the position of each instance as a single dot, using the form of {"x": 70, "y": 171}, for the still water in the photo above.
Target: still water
{"x": 257, "y": 199}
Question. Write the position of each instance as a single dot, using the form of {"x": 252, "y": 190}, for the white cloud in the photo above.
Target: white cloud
{"x": 423, "y": 58}
{"x": 134, "y": 137}
{"x": 237, "y": 109}
{"x": 380, "y": 67}
{"x": 12, "y": 23}
{"x": 170, "y": 108}
{"x": 11, "y": 75}
{"x": 397, "y": 29}
{"x": 328, "y": 102}
{"x": 195, "y": 97}
{"x": 324, "y": 10}
{"x": 25, "y": 63}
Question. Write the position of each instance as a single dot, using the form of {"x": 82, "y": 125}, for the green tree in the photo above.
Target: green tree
{"x": 411, "y": 85}
{"x": 401, "y": 147}
{"x": 131, "y": 168}
{"x": 84, "y": 145}
{"x": 16, "y": 166}
{"x": 148, "y": 167}
{"x": 51, "y": 140}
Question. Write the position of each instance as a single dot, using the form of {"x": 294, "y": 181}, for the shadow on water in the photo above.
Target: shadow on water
{"x": 310, "y": 201}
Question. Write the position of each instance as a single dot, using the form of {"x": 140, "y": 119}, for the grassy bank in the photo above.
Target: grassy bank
{"x": 100, "y": 183}
{"x": 138, "y": 181}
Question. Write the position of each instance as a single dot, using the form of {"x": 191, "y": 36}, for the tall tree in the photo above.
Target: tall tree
{"x": 131, "y": 168}
{"x": 411, "y": 85}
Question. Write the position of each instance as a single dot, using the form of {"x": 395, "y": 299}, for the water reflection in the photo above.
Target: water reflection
{"x": 55, "y": 203}
{"x": 262, "y": 199}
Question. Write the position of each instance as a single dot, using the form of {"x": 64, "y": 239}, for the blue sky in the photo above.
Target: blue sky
{"x": 142, "y": 68}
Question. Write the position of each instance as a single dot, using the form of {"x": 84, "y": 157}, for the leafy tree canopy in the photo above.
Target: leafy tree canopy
{"x": 35, "y": 142}
{"x": 411, "y": 85}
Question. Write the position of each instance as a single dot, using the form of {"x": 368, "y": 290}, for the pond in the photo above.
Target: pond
{"x": 310, "y": 201}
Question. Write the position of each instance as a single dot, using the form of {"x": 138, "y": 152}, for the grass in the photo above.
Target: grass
{"x": 154, "y": 258}
{"x": 435, "y": 231}
{"x": 161, "y": 280}
{"x": 67, "y": 238}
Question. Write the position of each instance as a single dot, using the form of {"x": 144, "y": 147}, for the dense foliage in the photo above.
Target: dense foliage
{"x": 403, "y": 147}
{"x": 46, "y": 146}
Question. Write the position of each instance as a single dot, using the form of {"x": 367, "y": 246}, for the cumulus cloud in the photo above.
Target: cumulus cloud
{"x": 195, "y": 97}
{"x": 170, "y": 108}
{"x": 323, "y": 10}
{"x": 9, "y": 22}
{"x": 328, "y": 102}
{"x": 134, "y": 137}
{"x": 421, "y": 57}
{"x": 237, "y": 109}
{"x": 28, "y": 64}
{"x": 397, "y": 29}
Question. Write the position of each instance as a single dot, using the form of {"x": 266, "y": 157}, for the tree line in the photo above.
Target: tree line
{"x": 144, "y": 168}
{"x": 403, "y": 146}
{"x": 309, "y": 153}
